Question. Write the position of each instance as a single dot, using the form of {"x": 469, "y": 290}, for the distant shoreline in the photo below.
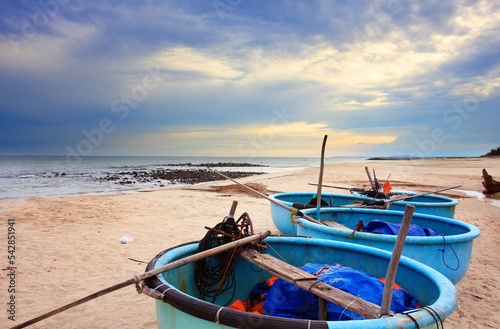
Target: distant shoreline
{"x": 219, "y": 164}
{"x": 418, "y": 158}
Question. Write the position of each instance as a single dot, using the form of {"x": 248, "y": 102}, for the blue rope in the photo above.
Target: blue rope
{"x": 453, "y": 250}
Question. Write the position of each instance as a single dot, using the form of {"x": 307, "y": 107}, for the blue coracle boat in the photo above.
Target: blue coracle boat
{"x": 178, "y": 303}
{"x": 426, "y": 204}
{"x": 449, "y": 252}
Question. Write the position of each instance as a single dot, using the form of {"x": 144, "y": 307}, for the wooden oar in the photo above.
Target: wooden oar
{"x": 310, "y": 283}
{"x": 420, "y": 194}
{"x": 290, "y": 209}
{"x": 141, "y": 277}
{"x": 383, "y": 202}
{"x": 392, "y": 269}
{"x": 355, "y": 189}
{"x": 320, "y": 179}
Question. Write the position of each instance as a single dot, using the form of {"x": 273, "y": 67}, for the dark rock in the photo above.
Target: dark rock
{"x": 179, "y": 176}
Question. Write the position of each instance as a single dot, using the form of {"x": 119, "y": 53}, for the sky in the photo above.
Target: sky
{"x": 249, "y": 78}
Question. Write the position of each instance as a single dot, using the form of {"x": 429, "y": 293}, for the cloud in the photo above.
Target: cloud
{"x": 189, "y": 61}
{"x": 374, "y": 75}
{"x": 274, "y": 139}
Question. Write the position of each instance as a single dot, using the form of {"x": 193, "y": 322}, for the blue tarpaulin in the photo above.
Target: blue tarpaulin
{"x": 378, "y": 226}
{"x": 287, "y": 300}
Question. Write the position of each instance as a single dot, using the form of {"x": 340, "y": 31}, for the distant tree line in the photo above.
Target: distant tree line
{"x": 493, "y": 152}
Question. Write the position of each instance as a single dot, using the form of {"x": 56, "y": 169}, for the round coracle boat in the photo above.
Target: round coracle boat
{"x": 429, "y": 204}
{"x": 444, "y": 244}
{"x": 179, "y": 303}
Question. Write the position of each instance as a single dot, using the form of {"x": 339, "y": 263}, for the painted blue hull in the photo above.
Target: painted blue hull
{"x": 181, "y": 307}
{"x": 449, "y": 253}
{"x": 428, "y": 204}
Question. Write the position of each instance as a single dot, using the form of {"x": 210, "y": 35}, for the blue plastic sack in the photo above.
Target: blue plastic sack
{"x": 378, "y": 226}
{"x": 287, "y": 300}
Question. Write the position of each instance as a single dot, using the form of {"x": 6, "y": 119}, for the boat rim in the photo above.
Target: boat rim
{"x": 441, "y": 307}
{"x": 471, "y": 233}
{"x": 446, "y": 201}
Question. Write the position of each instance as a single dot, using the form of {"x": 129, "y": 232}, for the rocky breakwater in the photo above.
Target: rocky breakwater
{"x": 162, "y": 177}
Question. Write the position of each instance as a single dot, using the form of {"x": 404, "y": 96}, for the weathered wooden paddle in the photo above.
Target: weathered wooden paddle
{"x": 406, "y": 197}
{"x": 355, "y": 189}
{"x": 284, "y": 206}
{"x": 141, "y": 277}
{"x": 383, "y": 202}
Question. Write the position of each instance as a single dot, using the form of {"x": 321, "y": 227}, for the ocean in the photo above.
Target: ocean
{"x": 44, "y": 176}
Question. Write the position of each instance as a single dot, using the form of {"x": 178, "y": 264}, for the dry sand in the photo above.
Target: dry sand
{"x": 68, "y": 247}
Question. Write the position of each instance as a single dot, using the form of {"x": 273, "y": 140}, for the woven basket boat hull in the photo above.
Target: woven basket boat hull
{"x": 430, "y": 204}
{"x": 179, "y": 306}
{"x": 449, "y": 253}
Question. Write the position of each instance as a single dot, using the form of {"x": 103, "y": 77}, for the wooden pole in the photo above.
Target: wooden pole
{"x": 369, "y": 177}
{"x": 350, "y": 189}
{"x": 402, "y": 198}
{"x": 322, "y": 306}
{"x": 390, "y": 277}
{"x": 138, "y": 278}
{"x": 322, "y": 309}
{"x": 332, "y": 186}
{"x": 320, "y": 179}
{"x": 310, "y": 283}
{"x": 406, "y": 197}
{"x": 284, "y": 206}
{"x": 232, "y": 211}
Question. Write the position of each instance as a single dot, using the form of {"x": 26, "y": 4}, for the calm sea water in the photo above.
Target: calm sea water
{"x": 39, "y": 176}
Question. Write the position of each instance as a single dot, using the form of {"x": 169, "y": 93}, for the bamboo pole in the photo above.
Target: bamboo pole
{"x": 385, "y": 307}
{"x": 284, "y": 206}
{"x": 383, "y": 202}
{"x": 141, "y": 277}
{"x": 331, "y": 186}
{"x": 369, "y": 177}
{"x": 406, "y": 197}
{"x": 320, "y": 179}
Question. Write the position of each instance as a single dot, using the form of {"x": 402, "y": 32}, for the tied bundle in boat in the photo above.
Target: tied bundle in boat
{"x": 267, "y": 296}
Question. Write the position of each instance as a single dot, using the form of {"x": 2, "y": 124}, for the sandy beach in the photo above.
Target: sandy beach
{"x": 68, "y": 247}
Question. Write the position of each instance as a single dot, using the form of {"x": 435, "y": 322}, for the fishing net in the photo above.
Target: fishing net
{"x": 214, "y": 275}
{"x": 287, "y": 300}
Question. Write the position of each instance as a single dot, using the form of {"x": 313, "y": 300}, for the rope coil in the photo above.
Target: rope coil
{"x": 214, "y": 275}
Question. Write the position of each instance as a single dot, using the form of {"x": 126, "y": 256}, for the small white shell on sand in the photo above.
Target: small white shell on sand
{"x": 126, "y": 239}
